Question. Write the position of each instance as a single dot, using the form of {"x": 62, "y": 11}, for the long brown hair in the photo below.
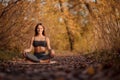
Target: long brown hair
{"x": 36, "y": 32}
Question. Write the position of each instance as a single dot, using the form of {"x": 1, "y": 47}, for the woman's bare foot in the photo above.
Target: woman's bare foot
{"x": 29, "y": 62}
{"x": 45, "y": 61}
{"x": 53, "y": 62}
{"x": 48, "y": 61}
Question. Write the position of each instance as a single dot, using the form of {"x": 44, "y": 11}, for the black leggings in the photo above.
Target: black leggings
{"x": 36, "y": 57}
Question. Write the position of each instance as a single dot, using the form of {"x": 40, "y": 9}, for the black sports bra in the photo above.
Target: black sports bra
{"x": 39, "y": 43}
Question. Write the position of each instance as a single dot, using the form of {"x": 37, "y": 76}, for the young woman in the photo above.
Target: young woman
{"x": 40, "y": 43}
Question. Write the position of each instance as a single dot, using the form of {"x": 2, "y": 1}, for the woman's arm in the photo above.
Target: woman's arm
{"x": 48, "y": 43}
{"x": 50, "y": 50}
{"x": 31, "y": 46}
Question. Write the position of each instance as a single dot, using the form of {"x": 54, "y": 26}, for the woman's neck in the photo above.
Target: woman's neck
{"x": 40, "y": 35}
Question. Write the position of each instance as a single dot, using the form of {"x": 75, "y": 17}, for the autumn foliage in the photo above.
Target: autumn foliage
{"x": 77, "y": 25}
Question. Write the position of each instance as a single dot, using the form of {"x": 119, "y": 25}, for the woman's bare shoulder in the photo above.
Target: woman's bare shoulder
{"x": 47, "y": 38}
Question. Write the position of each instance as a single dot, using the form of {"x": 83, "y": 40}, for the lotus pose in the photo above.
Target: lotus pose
{"x": 40, "y": 43}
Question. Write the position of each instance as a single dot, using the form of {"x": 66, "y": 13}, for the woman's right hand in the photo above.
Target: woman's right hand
{"x": 26, "y": 51}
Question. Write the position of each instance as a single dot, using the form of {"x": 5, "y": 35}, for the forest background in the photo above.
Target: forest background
{"x": 81, "y": 26}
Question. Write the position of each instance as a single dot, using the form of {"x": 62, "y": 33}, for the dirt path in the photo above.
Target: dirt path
{"x": 69, "y": 68}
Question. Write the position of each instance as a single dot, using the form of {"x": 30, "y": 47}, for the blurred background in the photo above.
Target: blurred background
{"x": 72, "y": 25}
{"x": 85, "y": 35}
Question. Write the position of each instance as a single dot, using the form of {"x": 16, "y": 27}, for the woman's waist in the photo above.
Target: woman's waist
{"x": 43, "y": 52}
{"x": 39, "y": 50}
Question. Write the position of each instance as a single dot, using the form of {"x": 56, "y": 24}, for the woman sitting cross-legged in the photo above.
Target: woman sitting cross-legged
{"x": 40, "y": 43}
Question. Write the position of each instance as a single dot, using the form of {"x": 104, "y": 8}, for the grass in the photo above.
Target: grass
{"x": 8, "y": 55}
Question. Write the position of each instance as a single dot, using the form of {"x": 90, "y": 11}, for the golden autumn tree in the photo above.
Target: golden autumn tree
{"x": 79, "y": 25}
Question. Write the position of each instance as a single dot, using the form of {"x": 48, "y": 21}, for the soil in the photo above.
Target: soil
{"x": 72, "y": 67}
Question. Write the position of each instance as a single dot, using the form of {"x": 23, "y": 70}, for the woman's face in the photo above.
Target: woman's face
{"x": 40, "y": 29}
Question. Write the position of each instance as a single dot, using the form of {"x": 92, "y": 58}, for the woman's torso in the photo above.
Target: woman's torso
{"x": 39, "y": 44}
